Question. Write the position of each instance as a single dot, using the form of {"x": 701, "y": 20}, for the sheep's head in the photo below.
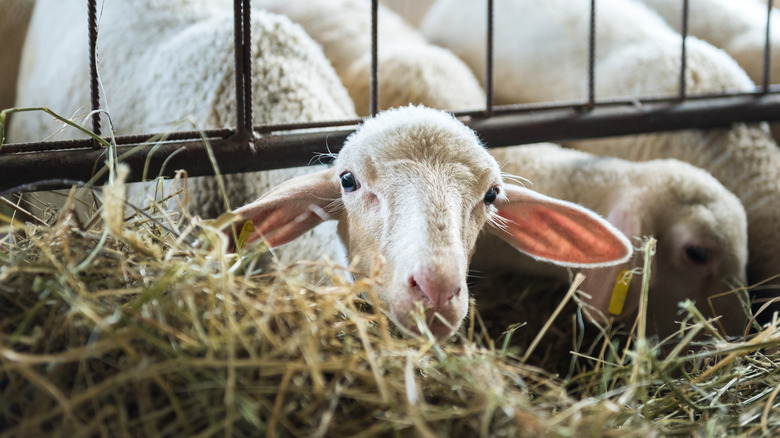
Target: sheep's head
{"x": 701, "y": 252}
{"x": 411, "y": 189}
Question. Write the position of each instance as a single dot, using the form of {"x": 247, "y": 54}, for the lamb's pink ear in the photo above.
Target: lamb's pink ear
{"x": 293, "y": 207}
{"x": 557, "y": 231}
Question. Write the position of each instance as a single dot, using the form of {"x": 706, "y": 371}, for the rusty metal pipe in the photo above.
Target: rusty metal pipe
{"x": 94, "y": 89}
{"x": 13, "y": 148}
{"x": 281, "y": 150}
{"x": 246, "y": 35}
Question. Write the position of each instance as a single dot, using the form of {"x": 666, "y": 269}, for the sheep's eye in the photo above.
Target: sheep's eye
{"x": 697, "y": 254}
{"x": 349, "y": 182}
{"x": 491, "y": 195}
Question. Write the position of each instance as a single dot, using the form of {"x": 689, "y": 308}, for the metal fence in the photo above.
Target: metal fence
{"x": 248, "y": 147}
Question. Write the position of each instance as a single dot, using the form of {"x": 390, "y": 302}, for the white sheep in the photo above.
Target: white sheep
{"x": 410, "y": 69}
{"x": 13, "y": 28}
{"x": 162, "y": 61}
{"x": 541, "y": 54}
{"x": 412, "y": 11}
{"x": 739, "y": 28}
{"x": 700, "y": 226}
{"x": 411, "y": 190}
{"x": 180, "y": 64}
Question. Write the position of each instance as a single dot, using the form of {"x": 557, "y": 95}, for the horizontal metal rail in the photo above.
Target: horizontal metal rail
{"x": 510, "y": 125}
{"x": 13, "y": 148}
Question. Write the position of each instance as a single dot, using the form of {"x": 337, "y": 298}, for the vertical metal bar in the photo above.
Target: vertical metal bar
{"x": 247, "y": 37}
{"x": 592, "y": 57}
{"x": 683, "y": 54}
{"x": 767, "y": 51}
{"x": 374, "y": 81}
{"x": 93, "y": 76}
{"x": 238, "y": 54}
{"x": 489, "y": 61}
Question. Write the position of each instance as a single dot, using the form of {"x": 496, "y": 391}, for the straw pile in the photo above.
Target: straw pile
{"x": 124, "y": 326}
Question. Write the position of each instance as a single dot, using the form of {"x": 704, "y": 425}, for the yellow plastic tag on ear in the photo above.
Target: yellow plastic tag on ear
{"x": 243, "y": 235}
{"x": 619, "y": 292}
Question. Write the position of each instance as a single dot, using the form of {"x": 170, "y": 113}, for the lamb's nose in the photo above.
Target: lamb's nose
{"x": 438, "y": 292}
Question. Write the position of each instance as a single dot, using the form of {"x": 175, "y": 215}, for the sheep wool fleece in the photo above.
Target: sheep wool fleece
{"x": 165, "y": 61}
{"x": 638, "y": 55}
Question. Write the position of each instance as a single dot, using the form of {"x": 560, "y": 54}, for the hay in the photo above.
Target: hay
{"x": 123, "y": 326}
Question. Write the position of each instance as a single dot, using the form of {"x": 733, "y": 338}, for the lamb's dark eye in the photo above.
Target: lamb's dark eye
{"x": 491, "y": 195}
{"x": 698, "y": 255}
{"x": 349, "y": 182}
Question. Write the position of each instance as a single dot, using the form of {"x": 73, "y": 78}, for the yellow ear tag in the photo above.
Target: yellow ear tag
{"x": 246, "y": 229}
{"x": 619, "y": 292}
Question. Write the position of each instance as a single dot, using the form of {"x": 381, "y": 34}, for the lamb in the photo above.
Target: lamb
{"x": 162, "y": 61}
{"x": 411, "y": 190}
{"x": 410, "y": 69}
{"x": 186, "y": 53}
{"x": 700, "y": 226}
{"x": 541, "y": 54}
{"x": 739, "y": 28}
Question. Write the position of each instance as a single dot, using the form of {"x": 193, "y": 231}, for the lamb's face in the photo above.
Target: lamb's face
{"x": 701, "y": 251}
{"x": 411, "y": 190}
{"x": 416, "y": 193}
{"x": 702, "y": 255}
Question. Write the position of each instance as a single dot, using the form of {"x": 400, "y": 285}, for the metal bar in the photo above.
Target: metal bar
{"x": 592, "y": 57}
{"x": 373, "y": 105}
{"x": 93, "y": 75}
{"x": 13, "y": 148}
{"x": 299, "y": 149}
{"x": 767, "y": 50}
{"x": 238, "y": 42}
{"x": 278, "y": 151}
{"x": 637, "y": 102}
{"x": 247, "y": 54}
{"x": 683, "y": 54}
{"x": 489, "y": 61}
{"x": 571, "y": 124}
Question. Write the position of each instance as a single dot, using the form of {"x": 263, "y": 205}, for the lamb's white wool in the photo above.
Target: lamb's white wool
{"x": 410, "y": 69}
{"x": 411, "y": 190}
{"x": 700, "y": 226}
{"x": 412, "y": 11}
{"x": 541, "y": 49}
{"x": 14, "y": 19}
{"x": 738, "y": 27}
{"x": 541, "y": 54}
{"x": 162, "y": 61}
